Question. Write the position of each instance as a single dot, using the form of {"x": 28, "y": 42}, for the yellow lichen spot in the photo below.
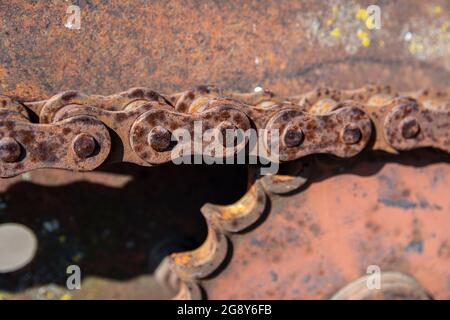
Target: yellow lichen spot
{"x": 415, "y": 47}
{"x": 66, "y": 296}
{"x": 2, "y": 297}
{"x": 335, "y": 9}
{"x": 361, "y": 14}
{"x": 62, "y": 239}
{"x": 364, "y": 37}
{"x": 437, "y": 9}
{"x": 366, "y": 42}
{"x": 335, "y": 33}
{"x": 381, "y": 43}
{"x": 370, "y": 23}
{"x": 329, "y": 22}
{"x": 444, "y": 27}
{"x": 412, "y": 47}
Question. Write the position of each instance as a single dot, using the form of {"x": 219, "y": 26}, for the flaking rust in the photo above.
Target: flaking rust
{"x": 74, "y": 133}
{"x": 312, "y": 229}
{"x": 325, "y": 120}
{"x": 310, "y": 248}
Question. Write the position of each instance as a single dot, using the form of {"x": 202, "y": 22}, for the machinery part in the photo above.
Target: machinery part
{"x": 221, "y": 220}
{"x": 137, "y": 126}
{"x": 144, "y": 127}
{"x": 142, "y": 122}
{"x": 409, "y": 128}
{"x": 330, "y": 133}
{"x": 297, "y": 252}
{"x": 65, "y": 145}
{"x": 410, "y": 51}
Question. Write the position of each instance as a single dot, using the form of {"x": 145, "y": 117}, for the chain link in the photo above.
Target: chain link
{"x": 76, "y": 131}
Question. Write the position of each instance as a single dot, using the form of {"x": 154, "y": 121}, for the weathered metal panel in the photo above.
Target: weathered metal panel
{"x": 392, "y": 213}
{"x": 382, "y": 212}
{"x": 286, "y": 46}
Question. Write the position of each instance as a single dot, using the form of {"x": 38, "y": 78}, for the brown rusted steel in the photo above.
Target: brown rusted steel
{"x": 221, "y": 221}
{"x": 322, "y": 121}
{"x": 310, "y": 248}
{"x": 171, "y": 121}
{"x": 291, "y": 176}
{"x": 229, "y": 44}
{"x": 26, "y": 146}
{"x": 408, "y": 127}
{"x": 327, "y": 133}
{"x": 389, "y": 115}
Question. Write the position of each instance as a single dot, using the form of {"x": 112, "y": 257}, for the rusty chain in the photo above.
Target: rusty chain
{"x": 81, "y": 132}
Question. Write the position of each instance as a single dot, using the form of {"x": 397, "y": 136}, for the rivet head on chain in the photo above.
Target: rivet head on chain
{"x": 292, "y": 136}
{"x": 351, "y": 134}
{"x": 84, "y": 145}
{"x": 225, "y": 127}
{"x": 9, "y": 149}
{"x": 410, "y": 128}
{"x": 159, "y": 139}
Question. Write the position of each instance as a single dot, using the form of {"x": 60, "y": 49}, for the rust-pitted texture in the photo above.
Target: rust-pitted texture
{"x": 408, "y": 127}
{"x": 141, "y": 131}
{"x": 119, "y": 122}
{"x": 144, "y": 123}
{"x": 10, "y": 149}
{"x": 329, "y": 133}
{"x": 26, "y": 146}
{"x": 387, "y": 215}
{"x": 117, "y": 102}
{"x": 310, "y": 43}
{"x": 221, "y": 220}
{"x": 240, "y": 215}
{"x": 183, "y": 43}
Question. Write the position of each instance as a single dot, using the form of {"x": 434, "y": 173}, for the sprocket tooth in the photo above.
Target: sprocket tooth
{"x": 197, "y": 264}
{"x": 188, "y": 291}
{"x": 295, "y": 175}
{"x": 282, "y": 184}
{"x": 203, "y": 261}
{"x": 240, "y": 215}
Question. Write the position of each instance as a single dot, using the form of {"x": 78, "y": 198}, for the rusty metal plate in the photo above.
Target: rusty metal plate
{"x": 287, "y": 46}
{"x": 386, "y": 211}
{"x": 383, "y": 211}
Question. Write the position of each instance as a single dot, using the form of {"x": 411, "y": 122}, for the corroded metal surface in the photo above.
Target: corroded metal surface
{"x": 332, "y": 123}
{"x": 376, "y": 212}
{"x": 286, "y": 46}
{"x": 282, "y": 45}
{"x": 72, "y": 133}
